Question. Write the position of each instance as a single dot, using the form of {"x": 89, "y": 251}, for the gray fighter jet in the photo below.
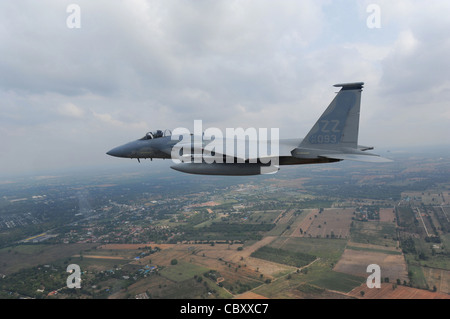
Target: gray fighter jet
{"x": 333, "y": 138}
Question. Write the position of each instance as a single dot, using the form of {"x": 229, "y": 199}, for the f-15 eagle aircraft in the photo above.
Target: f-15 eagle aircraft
{"x": 333, "y": 138}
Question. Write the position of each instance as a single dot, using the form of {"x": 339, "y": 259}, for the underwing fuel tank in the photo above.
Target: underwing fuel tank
{"x": 231, "y": 169}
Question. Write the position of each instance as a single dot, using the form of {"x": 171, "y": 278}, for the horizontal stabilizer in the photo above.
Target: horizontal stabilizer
{"x": 371, "y": 158}
{"x": 350, "y": 86}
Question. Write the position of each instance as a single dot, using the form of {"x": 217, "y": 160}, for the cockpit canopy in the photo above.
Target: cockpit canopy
{"x": 156, "y": 134}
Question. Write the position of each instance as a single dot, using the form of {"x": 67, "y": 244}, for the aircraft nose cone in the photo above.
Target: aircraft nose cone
{"x": 117, "y": 152}
{"x": 129, "y": 150}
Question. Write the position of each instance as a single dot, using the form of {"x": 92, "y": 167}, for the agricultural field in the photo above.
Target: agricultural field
{"x": 387, "y": 215}
{"x": 374, "y": 232}
{"x": 329, "y": 223}
{"x": 24, "y": 256}
{"x": 355, "y": 262}
{"x": 337, "y": 281}
{"x": 290, "y": 258}
{"x": 303, "y": 222}
{"x": 329, "y": 249}
{"x": 317, "y": 279}
{"x": 406, "y": 220}
{"x": 181, "y": 271}
{"x": 283, "y": 223}
{"x": 393, "y": 291}
{"x": 438, "y": 278}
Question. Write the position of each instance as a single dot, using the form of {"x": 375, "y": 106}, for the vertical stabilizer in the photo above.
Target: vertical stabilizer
{"x": 338, "y": 126}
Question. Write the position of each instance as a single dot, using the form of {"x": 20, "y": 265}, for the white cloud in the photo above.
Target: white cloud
{"x": 110, "y": 120}
{"x": 406, "y": 44}
{"x": 71, "y": 110}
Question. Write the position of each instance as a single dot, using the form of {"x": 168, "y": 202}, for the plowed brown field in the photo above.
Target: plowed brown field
{"x": 400, "y": 292}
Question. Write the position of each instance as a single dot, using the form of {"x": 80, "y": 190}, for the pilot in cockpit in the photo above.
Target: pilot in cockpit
{"x": 154, "y": 134}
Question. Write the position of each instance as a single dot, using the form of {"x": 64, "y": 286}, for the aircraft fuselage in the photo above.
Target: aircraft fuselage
{"x": 333, "y": 138}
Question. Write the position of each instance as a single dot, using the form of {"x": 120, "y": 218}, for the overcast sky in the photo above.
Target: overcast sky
{"x": 68, "y": 95}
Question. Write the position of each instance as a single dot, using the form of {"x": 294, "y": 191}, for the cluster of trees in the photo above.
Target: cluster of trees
{"x": 291, "y": 258}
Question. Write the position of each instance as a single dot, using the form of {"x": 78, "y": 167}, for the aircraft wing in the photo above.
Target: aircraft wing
{"x": 371, "y": 158}
{"x": 219, "y": 149}
{"x": 340, "y": 154}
